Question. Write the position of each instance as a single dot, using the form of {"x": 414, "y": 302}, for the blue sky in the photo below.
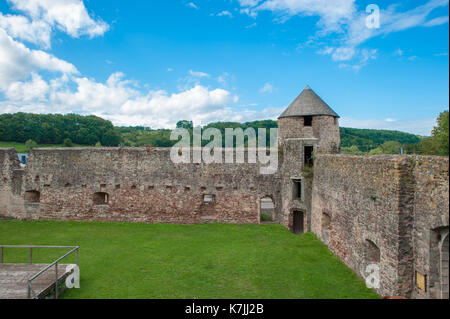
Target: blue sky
{"x": 155, "y": 62}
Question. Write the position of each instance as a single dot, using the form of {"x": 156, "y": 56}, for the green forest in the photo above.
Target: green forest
{"x": 25, "y": 131}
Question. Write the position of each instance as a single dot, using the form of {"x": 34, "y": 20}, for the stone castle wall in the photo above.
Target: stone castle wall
{"x": 431, "y": 220}
{"x": 10, "y": 173}
{"x": 142, "y": 186}
{"x": 382, "y": 210}
{"x": 386, "y": 210}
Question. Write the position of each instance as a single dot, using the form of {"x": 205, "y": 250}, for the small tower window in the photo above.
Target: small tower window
{"x": 309, "y": 155}
{"x": 297, "y": 189}
{"x": 308, "y": 120}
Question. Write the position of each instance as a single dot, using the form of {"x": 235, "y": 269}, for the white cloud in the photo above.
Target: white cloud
{"x": 399, "y": 52}
{"x": 94, "y": 97}
{"x": 69, "y": 16}
{"x": 20, "y": 27}
{"x": 18, "y": 62}
{"x": 225, "y": 13}
{"x": 267, "y": 88}
{"x": 36, "y": 89}
{"x": 199, "y": 74}
{"x": 348, "y": 22}
{"x": 118, "y": 101}
{"x": 436, "y": 21}
{"x": 192, "y": 5}
{"x": 225, "y": 78}
{"x": 331, "y": 16}
{"x": 343, "y": 54}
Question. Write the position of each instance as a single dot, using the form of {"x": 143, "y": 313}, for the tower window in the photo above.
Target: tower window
{"x": 309, "y": 156}
{"x": 308, "y": 120}
{"x": 297, "y": 189}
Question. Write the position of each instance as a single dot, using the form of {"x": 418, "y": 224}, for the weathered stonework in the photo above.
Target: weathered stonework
{"x": 293, "y": 136}
{"x": 142, "y": 186}
{"x": 391, "y": 201}
{"x": 391, "y": 211}
{"x": 324, "y": 130}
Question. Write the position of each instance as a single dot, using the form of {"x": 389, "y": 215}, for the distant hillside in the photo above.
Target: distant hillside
{"x": 91, "y": 130}
{"x": 368, "y": 139}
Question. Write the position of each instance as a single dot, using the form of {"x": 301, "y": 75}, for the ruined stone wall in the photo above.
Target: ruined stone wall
{"x": 143, "y": 186}
{"x": 431, "y": 221}
{"x": 381, "y": 204}
{"x": 361, "y": 195}
{"x": 9, "y": 167}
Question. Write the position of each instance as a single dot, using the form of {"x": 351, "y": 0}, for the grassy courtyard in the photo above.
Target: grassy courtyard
{"x": 120, "y": 260}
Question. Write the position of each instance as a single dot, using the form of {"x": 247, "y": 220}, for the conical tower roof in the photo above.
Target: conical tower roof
{"x": 308, "y": 103}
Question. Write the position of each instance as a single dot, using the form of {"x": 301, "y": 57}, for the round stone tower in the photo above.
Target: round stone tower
{"x": 307, "y": 127}
{"x": 309, "y": 117}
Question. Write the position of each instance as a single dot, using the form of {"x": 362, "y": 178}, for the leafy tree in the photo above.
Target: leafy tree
{"x": 352, "y": 150}
{"x": 438, "y": 143}
{"x": 188, "y": 125}
{"x": 68, "y": 142}
{"x": 389, "y": 147}
{"x": 52, "y": 128}
{"x": 30, "y": 144}
{"x": 111, "y": 138}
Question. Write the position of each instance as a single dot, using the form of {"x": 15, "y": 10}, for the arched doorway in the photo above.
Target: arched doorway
{"x": 267, "y": 208}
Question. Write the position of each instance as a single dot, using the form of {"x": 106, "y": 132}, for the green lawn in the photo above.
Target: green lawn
{"x": 124, "y": 260}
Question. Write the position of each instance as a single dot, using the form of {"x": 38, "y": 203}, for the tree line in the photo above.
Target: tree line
{"x": 57, "y": 129}
{"x": 70, "y": 129}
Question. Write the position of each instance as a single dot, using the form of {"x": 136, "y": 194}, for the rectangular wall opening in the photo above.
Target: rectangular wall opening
{"x": 307, "y": 120}
{"x": 297, "y": 189}
{"x": 309, "y": 156}
{"x": 209, "y": 199}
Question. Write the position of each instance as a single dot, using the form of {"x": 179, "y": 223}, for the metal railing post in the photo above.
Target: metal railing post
{"x": 31, "y": 255}
{"x": 2, "y": 256}
{"x": 78, "y": 260}
{"x": 56, "y": 282}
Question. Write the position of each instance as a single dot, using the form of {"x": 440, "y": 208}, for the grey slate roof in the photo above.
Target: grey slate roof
{"x": 308, "y": 103}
